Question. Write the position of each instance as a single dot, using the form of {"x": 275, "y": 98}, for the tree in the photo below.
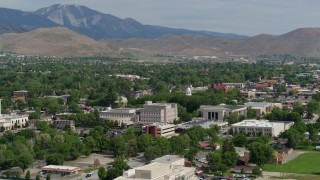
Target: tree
{"x": 298, "y": 108}
{"x": 55, "y": 159}
{"x": 257, "y": 171}
{"x": 214, "y": 161}
{"x": 228, "y": 146}
{"x": 28, "y": 175}
{"x": 233, "y": 118}
{"x": 102, "y": 173}
{"x": 25, "y": 160}
{"x": 230, "y": 159}
{"x": 119, "y": 147}
{"x": 251, "y": 113}
{"x": 179, "y": 144}
{"x": 37, "y": 177}
{"x": 239, "y": 139}
{"x": 48, "y": 177}
{"x": 260, "y": 153}
{"x": 144, "y": 141}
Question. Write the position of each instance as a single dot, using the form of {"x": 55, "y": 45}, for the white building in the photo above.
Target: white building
{"x": 123, "y": 115}
{"x": 8, "y": 121}
{"x": 234, "y": 85}
{"x": 158, "y": 113}
{"x": 219, "y": 112}
{"x": 159, "y": 129}
{"x": 261, "y": 127}
{"x": 169, "y": 167}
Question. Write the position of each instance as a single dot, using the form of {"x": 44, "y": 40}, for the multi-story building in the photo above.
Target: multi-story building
{"x": 262, "y": 108}
{"x": 169, "y": 167}
{"x": 219, "y": 112}
{"x": 158, "y": 113}
{"x": 122, "y": 115}
{"x": 158, "y": 129}
{"x": 261, "y": 127}
{"x": 11, "y": 121}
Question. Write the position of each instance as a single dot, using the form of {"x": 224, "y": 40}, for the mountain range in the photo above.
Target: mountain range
{"x": 92, "y": 23}
{"x": 71, "y": 30}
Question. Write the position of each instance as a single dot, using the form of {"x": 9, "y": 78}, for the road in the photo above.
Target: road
{"x": 83, "y": 176}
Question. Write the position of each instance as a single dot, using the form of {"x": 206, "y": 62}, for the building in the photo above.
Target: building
{"x": 234, "y": 85}
{"x": 19, "y": 95}
{"x": 63, "y": 97}
{"x": 61, "y": 170}
{"x": 158, "y": 113}
{"x": 206, "y": 124}
{"x": 188, "y": 91}
{"x": 248, "y": 94}
{"x": 219, "y": 86}
{"x": 261, "y": 127}
{"x": 169, "y": 167}
{"x": 122, "y": 115}
{"x": 262, "y": 108}
{"x": 221, "y": 111}
{"x": 264, "y": 86}
{"x": 62, "y": 124}
{"x": 292, "y": 89}
{"x": 158, "y": 129}
{"x": 12, "y": 121}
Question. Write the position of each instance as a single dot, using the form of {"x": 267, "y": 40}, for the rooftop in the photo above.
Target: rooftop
{"x": 167, "y": 159}
{"x": 222, "y": 107}
{"x": 259, "y": 123}
{"x": 60, "y": 168}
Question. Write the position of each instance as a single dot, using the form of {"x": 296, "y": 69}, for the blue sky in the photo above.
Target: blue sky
{"x": 247, "y": 17}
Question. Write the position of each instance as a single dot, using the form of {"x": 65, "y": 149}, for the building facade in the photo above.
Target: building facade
{"x": 122, "y": 115}
{"x": 158, "y": 129}
{"x": 261, "y": 127}
{"x": 263, "y": 108}
{"x": 158, "y": 113}
{"x": 169, "y": 167}
{"x": 218, "y": 113}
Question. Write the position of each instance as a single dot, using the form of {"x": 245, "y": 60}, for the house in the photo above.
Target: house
{"x": 292, "y": 89}
{"x": 219, "y": 112}
{"x": 248, "y": 94}
{"x": 234, "y": 85}
{"x": 63, "y": 124}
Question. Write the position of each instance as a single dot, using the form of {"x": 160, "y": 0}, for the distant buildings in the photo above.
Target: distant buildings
{"x": 234, "y": 85}
{"x": 221, "y": 111}
{"x": 292, "y": 89}
{"x": 169, "y": 167}
{"x": 206, "y": 124}
{"x": 11, "y": 121}
{"x": 261, "y": 127}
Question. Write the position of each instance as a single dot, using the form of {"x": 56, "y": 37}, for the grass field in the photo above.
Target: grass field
{"x": 308, "y": 163}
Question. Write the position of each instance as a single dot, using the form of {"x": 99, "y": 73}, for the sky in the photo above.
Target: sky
{"x": 245, "y": 17}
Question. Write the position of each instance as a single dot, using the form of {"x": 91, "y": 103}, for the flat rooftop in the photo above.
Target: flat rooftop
{"x": 222, "y": 107}
{"x": 200, "y": 122}
{"x": 60, "y": 168}
{"x": 167, "y": 159}
{"x": 260, "y": 123}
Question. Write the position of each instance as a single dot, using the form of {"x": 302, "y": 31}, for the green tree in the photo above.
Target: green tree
{"x": 260, "y": 153}
{"x": 48, "y": 177}
{"x": 37, "y": 177}
{"x": 55, "y": 159}
{"x": 28, "y": 175}
{"x": 102, "y": 173}
{"x": 214, "y": 161}
{"x": 257, "y": 171}
{"x": 144, "y": 141}
{"x": 233, "y": 118}
{"x": 239, "y": 140}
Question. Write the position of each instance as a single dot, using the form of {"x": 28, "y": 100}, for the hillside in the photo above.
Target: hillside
{"x": 97, "y": 25}
{"x": 10, "y": 29}
{"x": 300, "y": 42}
{"x": 52, "y": 42}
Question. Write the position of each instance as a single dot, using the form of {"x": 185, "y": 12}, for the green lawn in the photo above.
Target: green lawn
{"x": 308, "y": 163}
